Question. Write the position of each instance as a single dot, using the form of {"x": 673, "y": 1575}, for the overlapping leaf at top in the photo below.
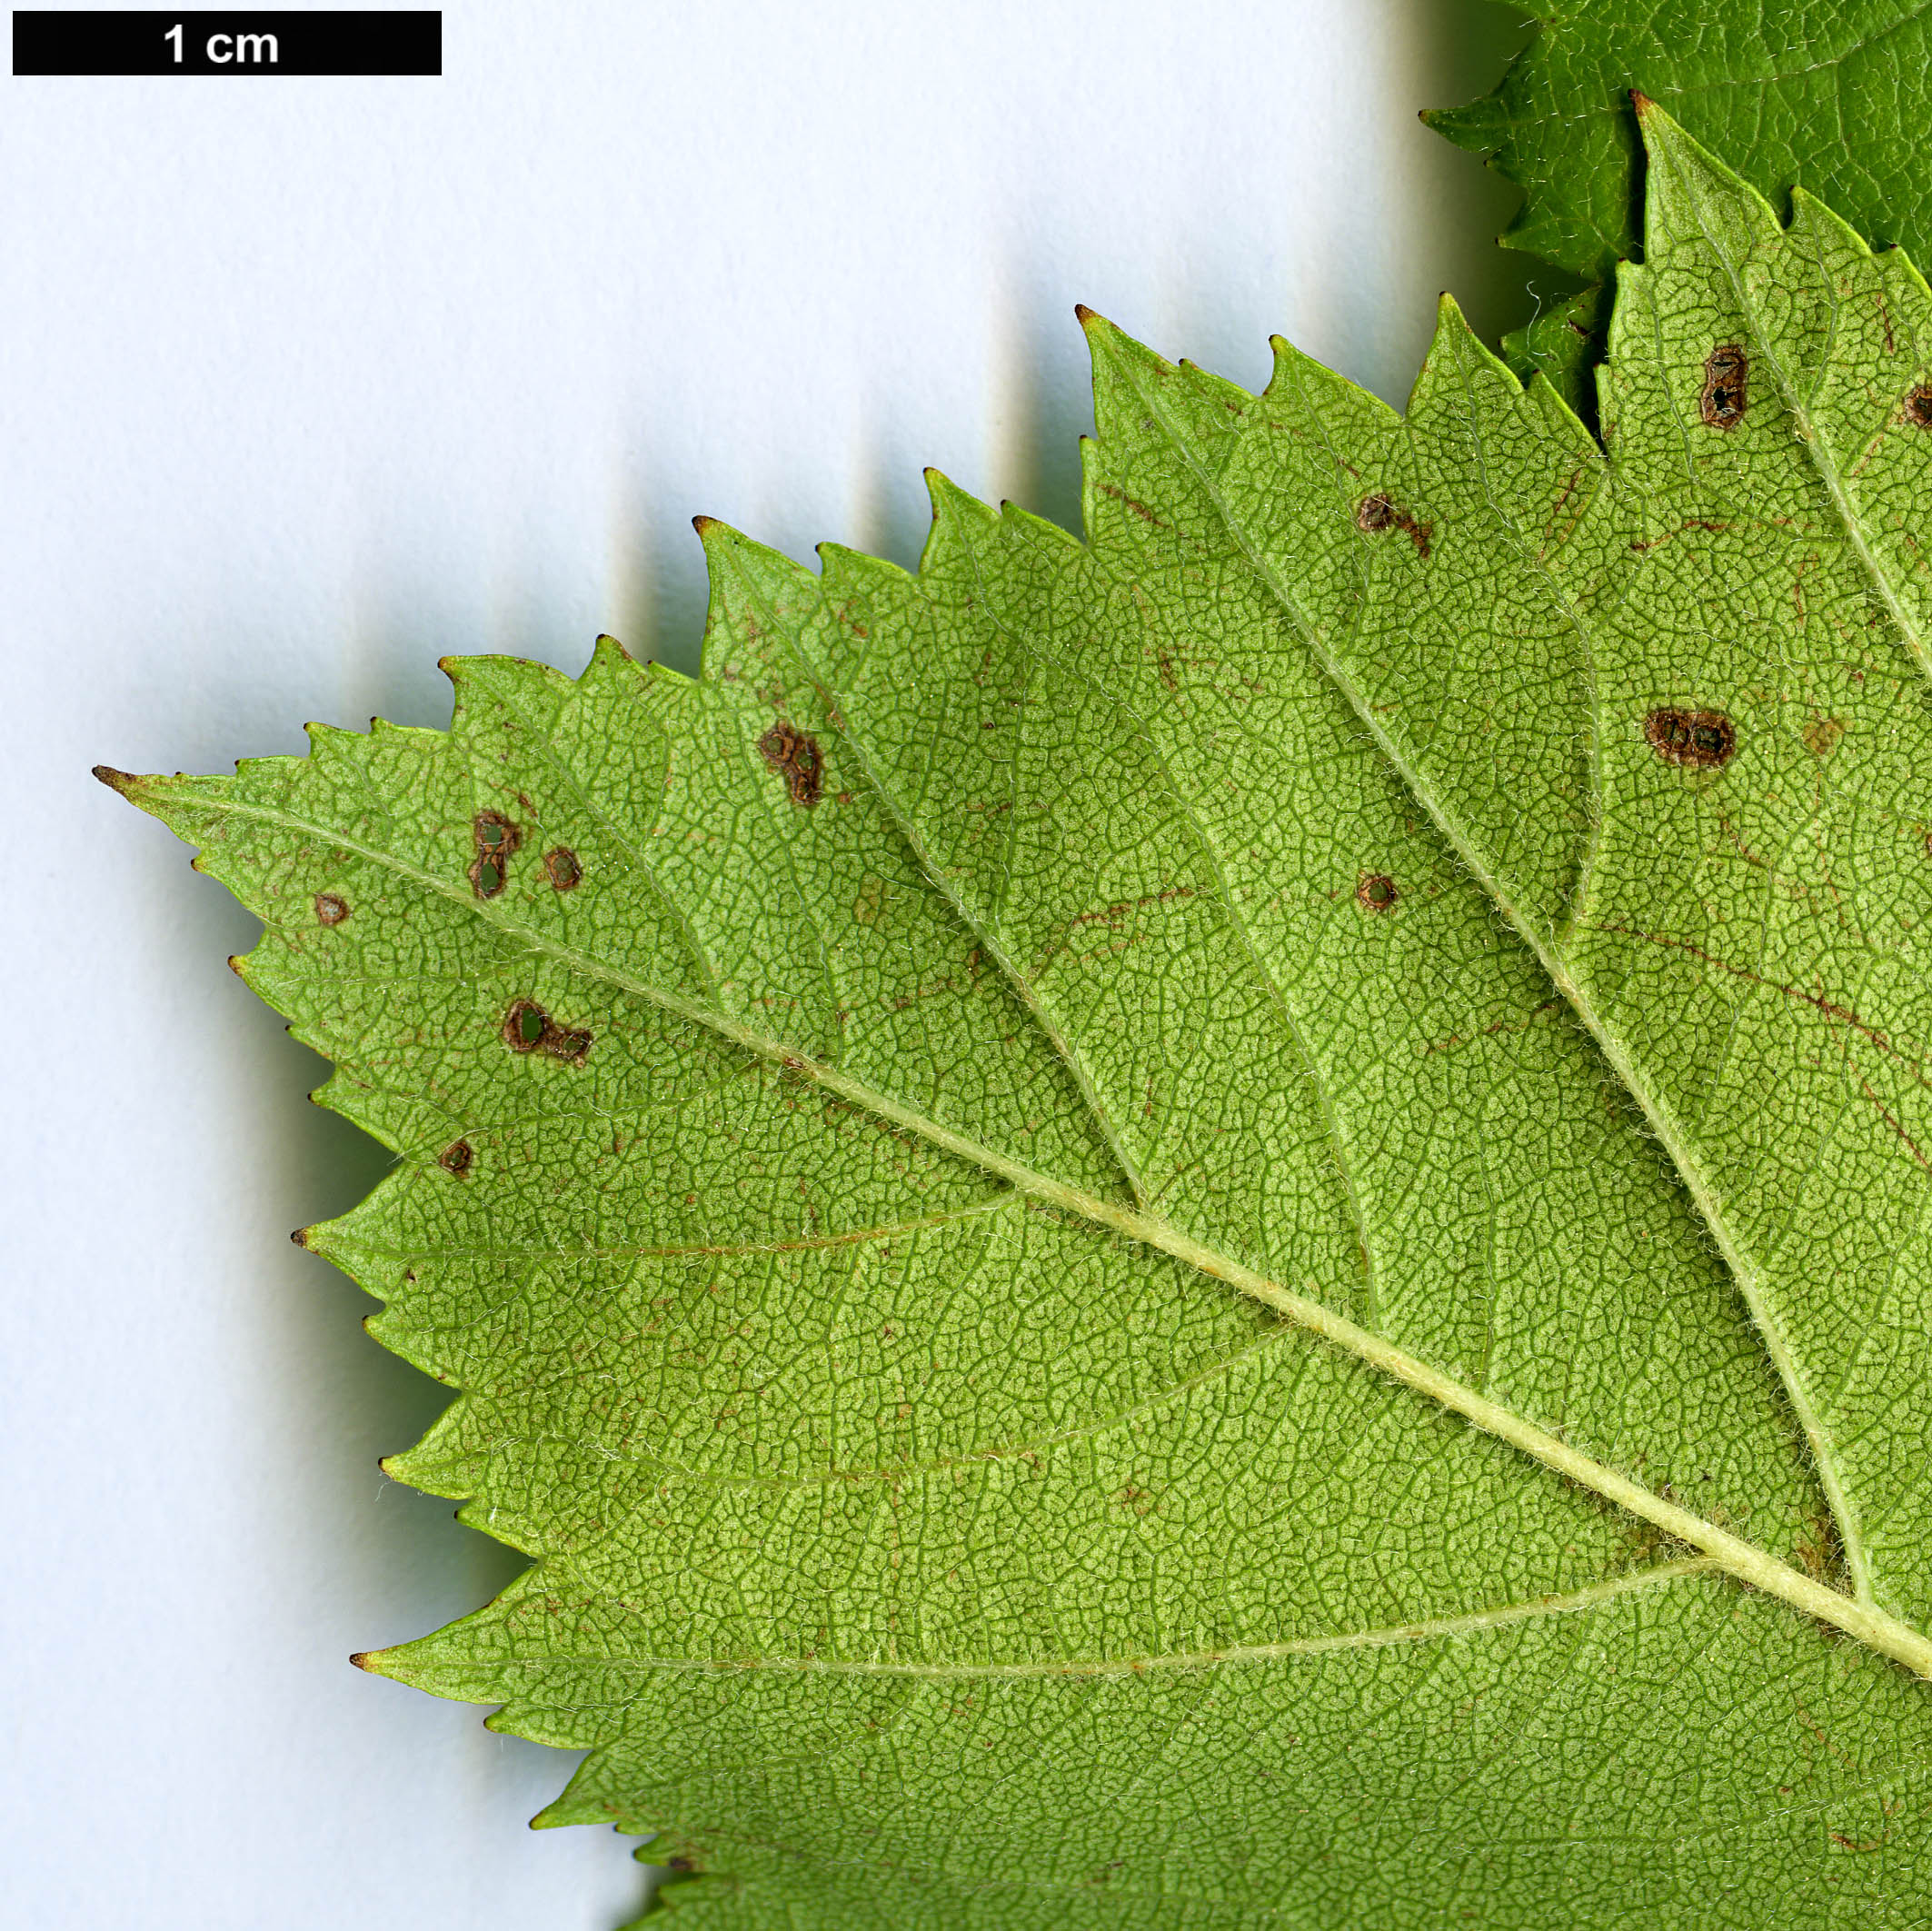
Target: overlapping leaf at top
{"x": 1150, "y": 1233}
{"x": 1832, "y": 95}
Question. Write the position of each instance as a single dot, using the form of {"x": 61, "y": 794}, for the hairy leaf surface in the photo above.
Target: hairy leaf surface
{"x": 1834, "y": 93}
{"x": 1219, "y": 1228}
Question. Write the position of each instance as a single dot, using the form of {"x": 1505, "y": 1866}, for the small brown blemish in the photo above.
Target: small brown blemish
{"x": 1376, "y": 891}
{"x": 560, "y": 863}
{"x": 329, "y": 910}
{"x": 527, "y": 1028}
{"x": 794, "y": 754}
{"x": 456, "y": 1159}
{"x": 1375, "y": 513}
{"x": 1726, "y": 379}
{"x": 1700, "y": 738}
{"x": 1821, "y": 735}
{"x": 1918, "y": 406}
{"x": 495, "y": 839}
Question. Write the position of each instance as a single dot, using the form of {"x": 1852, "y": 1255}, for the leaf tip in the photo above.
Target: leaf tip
{"x": 1449, "y": 315}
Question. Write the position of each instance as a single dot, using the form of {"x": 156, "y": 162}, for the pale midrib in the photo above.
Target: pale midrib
{"x": 1662, "y": 1118}
{"x": 1744, "y": 1561}
{"x": 1430, "y": 1629}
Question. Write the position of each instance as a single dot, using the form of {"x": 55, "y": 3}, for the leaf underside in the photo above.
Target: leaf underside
{"x": 1225, "y": 1227}
{"x": 1836, "y": 93}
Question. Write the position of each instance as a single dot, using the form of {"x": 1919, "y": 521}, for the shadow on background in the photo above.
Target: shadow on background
{"x": 1041, "y": 393}
{"x": 1468, "y": 44}
{"x": 393, "y": 1563}
{"x": 1473, "y": 41}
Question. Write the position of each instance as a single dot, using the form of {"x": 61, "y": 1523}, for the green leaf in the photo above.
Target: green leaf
{"x": 1223, "y": 1228}
{"x": 1564, "y": 342}
{"x": 1834, "y": 93}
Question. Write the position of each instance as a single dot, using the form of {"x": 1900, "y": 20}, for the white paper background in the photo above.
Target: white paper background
{"x": 306, "y": 382}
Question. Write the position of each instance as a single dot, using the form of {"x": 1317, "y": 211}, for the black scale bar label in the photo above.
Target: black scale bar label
{"x": 256, "y": 42}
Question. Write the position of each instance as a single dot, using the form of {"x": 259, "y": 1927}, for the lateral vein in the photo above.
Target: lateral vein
{"x": 1430, "y": 1629}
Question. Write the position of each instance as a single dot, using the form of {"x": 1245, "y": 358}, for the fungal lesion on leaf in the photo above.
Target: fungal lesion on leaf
{"x": 527, "y": 1028}
{"x": 1821, "y": 735}
{"x": 1377, "y": 512}
{"x": 561, "y": 868}
{"x": 794, "y": 754}
{"x": 330, "y": 908}
{"x": 1376, "y": 891}
{"x": 1697, "y": 738}
{"x": 457, "y": 1158}
{"x": 1919, "y": 405}
{"x": 495, "y": 839}
{"x": 1726, "y": 379}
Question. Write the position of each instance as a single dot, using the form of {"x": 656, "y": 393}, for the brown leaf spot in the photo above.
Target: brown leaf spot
{"x": 561, "y": 864}
{"x": 1918, "y": 406}
{"x": 1376, "y": 891}
{"x": 1690, "y": 737}
{"x": 1139, "y": 509}
{"x": 1726, "y": 378}
{"x": 1376, "y": 513}
{"x": 794, "y": 754}
{"x": 456, "y": 1158}
{"x": 527, "y": 1028}
{"x": 1821, "y": 735}
{"x": 329, "y": 910}
{"x": 495, "y": 839}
